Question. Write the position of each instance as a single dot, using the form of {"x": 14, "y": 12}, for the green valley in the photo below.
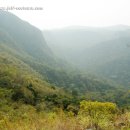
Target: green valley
{"x": 41, "y": 91}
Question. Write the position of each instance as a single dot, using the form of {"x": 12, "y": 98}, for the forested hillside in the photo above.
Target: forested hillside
{"x": 39, "y": 90}
{"x": 27, "y": 44}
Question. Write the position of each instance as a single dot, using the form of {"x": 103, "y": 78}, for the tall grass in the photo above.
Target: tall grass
{"x": 27, "y": 118}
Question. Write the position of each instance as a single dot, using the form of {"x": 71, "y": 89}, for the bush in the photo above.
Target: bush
{"x": 98, "y": 113}
{"x": 23, "y": 94}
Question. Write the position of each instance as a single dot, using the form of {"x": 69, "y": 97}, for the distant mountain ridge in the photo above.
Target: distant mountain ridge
{"x": 94, "y": 49}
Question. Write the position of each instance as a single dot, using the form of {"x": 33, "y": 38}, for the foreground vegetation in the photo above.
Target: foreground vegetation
{"x": 91, "y": 115}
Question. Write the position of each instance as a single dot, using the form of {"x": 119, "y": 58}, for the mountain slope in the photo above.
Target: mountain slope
{"x": 27, "y": 43}
{"x": 26, "y": 52}
{"x": 24, "y": 37}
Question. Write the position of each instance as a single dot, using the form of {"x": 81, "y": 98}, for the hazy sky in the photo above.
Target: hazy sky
{"x": 60, "y": 13}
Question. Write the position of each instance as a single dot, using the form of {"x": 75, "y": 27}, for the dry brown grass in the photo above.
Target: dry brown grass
{"x": 28, "y": 119}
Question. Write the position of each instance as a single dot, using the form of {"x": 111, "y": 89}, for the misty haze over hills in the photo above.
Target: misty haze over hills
{"x": 104, "y": 51}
